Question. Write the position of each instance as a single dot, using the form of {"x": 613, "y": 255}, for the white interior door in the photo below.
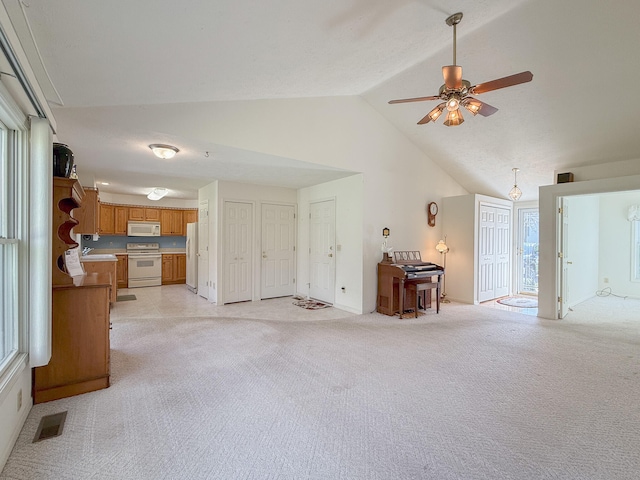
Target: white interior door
{"x": 564, "y": 260}
{"x": 503, "y": 252}
{"x": 486, "y": 253}
{"x": 322, "y": 260}
{"x": 278, "y": 251}
{"x": 238, "y": 234}
{"x": 203, "y": 249}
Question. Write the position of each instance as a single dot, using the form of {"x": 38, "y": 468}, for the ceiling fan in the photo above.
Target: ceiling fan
{"x": 456, "y": 91}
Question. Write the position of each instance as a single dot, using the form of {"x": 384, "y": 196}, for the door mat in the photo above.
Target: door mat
{"x": 310, "y": 304}
{"x": 519, "y": 302}
{"x": 125, "y": 298}
{"x": 50, "y": 426}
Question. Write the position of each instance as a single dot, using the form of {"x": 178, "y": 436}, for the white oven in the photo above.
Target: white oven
{"x": 145, "y": 265}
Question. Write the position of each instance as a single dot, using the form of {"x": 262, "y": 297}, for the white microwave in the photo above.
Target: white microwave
{"x": 143, "y": 229}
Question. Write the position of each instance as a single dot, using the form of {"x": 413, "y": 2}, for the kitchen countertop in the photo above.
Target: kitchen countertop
{"x": 100, "y": 257}
{"x": 122, "y": 251}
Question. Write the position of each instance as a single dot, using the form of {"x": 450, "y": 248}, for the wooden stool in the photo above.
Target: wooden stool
{"x": 420, "y": 290}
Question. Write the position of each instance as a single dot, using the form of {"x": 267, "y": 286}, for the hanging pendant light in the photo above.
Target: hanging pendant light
{"x": 515, "y": 193}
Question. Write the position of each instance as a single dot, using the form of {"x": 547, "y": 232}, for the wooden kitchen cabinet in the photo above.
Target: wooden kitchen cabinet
{"x": 87, "y": 214}
{"x": 174, "y": 268}
{"x": 189, "y": 216}
{"x": 144, "y": 214}
{"x": 152, "y": 214}
{"x": 107, "y": 219}
{"x": 171, "y": 222}
{"x": 122, "y": 271}
{"x": 121, "y": 216}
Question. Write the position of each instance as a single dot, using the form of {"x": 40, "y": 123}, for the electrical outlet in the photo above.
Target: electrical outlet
{"x": 606, "y": 279}
{"x": 111, "y": 244}
{"x": 174, "y": 244}
{"x": 19, "y": 399}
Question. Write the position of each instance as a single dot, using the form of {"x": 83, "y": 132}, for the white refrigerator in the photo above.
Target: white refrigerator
{"x": 192, "y": 257}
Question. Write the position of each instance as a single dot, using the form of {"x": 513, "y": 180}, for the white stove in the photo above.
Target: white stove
{"x": 145, "y": 265}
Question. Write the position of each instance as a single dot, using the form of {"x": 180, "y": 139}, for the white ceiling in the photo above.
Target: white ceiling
{"x": 108, "y": 60}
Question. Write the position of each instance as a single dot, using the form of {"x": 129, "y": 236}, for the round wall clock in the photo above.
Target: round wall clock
{"x": 432, "y": 211}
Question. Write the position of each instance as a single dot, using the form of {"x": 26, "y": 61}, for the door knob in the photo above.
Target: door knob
{"x": 570, "y": 263}
{"x": 264, "y": 256}
{"x": 331, "y": 254}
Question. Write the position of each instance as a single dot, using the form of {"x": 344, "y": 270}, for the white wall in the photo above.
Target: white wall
{"x": 399, "y": 180}
{"x": 583, "y": 247}
{"x": 615, "y": 244}
{"x": 348, "y": 195}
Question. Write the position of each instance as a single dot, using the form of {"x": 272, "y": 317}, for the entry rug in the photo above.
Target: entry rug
{"x": 309, "y": 304}
{"x": 519, "y": 302}
{"x": 124, "y": 298}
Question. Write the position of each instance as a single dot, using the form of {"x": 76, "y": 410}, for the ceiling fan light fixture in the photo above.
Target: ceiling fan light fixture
{"x": 163, "y": 151}
{"x": 454, "y": 118}
{"x": 453, "y": 104}
{"x": 472, "y": 105}
{"x": 436, "y": 112}
{"x": 515, "y": 193}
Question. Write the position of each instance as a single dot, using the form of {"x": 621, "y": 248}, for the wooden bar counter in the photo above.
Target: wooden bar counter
{"x": 79, "y": 340}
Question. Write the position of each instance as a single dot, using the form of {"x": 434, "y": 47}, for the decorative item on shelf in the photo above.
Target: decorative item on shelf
{"x": 163, "y": 151}
{"x": 432, "y": 211}
{"x": 62, "y": 160}
{"x": 386, "y": 251}
{"x": 443, "y": 249}
{"x": 515, "y": 193}
{"x": 565, "y": 177}
{"x": 74, "y": 173}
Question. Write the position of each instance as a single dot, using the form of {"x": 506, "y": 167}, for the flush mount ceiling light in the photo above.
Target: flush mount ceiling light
{"x": 163, "y": 151}
{"x": 515, "y": 193}
{"x": 157, "y": 193}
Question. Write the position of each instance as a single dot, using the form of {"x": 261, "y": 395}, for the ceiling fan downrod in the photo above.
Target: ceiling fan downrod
{"x": 452, "y": 21}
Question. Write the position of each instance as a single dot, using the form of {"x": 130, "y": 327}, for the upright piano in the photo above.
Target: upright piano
{"x": 394, "y": 276}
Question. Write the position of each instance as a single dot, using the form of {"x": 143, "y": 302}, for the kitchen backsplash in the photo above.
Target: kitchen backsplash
{"x": 116, "y": 241}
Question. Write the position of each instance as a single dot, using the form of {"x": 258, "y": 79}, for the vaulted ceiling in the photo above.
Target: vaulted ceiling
{"x": 110, "y": 63}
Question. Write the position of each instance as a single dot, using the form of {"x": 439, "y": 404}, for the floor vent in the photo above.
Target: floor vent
{"x": 50, "y": 426}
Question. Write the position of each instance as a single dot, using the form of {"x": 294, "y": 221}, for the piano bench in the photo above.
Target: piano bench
{"x": 420, "y": 290}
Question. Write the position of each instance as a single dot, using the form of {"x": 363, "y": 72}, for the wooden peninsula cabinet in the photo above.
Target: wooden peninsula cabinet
{"x": 80, "y": 341}
{"x": 80, "y": 313}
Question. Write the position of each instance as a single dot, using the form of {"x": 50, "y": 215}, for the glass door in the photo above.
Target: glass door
{"x": 528, "y": 251}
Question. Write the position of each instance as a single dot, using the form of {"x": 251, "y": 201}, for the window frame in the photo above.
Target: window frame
{"x": 14, "y": 230}
{"x": 635, "y": 251}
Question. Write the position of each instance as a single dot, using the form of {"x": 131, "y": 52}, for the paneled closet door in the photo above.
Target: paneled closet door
{"x": 238, "y": 247}
{"x": 494, "y": 252}
{"x": 486, "y": 253}
{"x": 503, "y": 252}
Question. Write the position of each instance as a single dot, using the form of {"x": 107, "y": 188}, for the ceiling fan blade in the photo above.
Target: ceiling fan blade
{"x": 452, "y": 77}
{"x": 417, "y": 99}
{"x": 486, "y": 109}
{"x": 509, "y": 81}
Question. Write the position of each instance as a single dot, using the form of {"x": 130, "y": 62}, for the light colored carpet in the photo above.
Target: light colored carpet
{"x": 471, "y": 393}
